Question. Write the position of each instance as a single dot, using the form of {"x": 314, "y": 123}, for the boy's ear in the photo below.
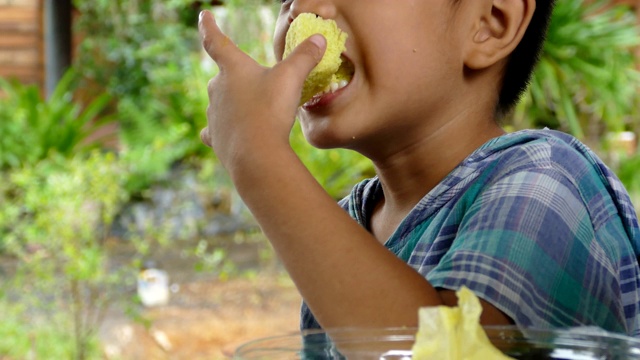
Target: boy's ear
{"x": 497, "y": 31}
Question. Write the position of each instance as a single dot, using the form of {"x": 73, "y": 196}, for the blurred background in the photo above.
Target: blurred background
{"x": 121, "y": 237}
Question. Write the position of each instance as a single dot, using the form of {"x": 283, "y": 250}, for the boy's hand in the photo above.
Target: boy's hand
{"x": 252, "y": 108}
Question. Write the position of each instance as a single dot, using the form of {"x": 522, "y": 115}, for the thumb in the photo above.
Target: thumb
{"x": 305, "y": 57}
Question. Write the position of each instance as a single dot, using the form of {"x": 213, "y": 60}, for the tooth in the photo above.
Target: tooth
{"x": 334, "y": 87}
{"x": 342, "y": 84}
{"x": 327, "y": 89}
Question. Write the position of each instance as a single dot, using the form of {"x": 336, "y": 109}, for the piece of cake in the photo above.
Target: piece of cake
{"x": 326, "y": 72}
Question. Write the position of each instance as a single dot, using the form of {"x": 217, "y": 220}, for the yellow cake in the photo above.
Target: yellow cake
{"x": 326, "y": 71}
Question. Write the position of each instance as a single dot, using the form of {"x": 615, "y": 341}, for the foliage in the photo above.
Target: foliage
{"x": 125, "y": 42}
{"x": 146, "y": 53}
{"x": 586, "y": 82}
{"x": 628, "y": 174}
{"x": 33, "y": 128}
{"x": 164, "y": 130}
{"x": 150, "y": 146}
{"x": 19, "y": 339}
{"x": 337, "y": 170}
{"x": 55, "y": 223}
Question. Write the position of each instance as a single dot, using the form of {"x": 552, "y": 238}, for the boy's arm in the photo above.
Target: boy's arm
{"x": 345, "y": 275}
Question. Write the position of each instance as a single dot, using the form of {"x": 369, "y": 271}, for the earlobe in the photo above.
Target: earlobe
{"x": 500, "y": 27}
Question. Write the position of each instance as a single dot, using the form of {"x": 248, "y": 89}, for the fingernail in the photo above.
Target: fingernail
{"x": 319, "y": 40}
{"x": 201, "y": 15}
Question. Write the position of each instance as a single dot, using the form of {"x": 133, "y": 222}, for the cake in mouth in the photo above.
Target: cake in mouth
{"x": 341, "y": 78}
{"x": 334, "y": 71}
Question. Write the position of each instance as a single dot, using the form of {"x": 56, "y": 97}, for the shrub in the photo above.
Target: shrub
{"x": 33, "y": 128}
{"x": 55, "y": 223}
{"x": 586, "y": 83}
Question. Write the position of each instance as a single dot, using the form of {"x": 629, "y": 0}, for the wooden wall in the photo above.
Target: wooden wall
{"x": 21, "y": 41}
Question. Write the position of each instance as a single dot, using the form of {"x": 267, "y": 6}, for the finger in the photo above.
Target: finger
{"x": 218, "y": 45}
{"x": 304, "y": 57}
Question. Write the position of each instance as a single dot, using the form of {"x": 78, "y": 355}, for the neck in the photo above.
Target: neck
{"x": 409, "y": 173}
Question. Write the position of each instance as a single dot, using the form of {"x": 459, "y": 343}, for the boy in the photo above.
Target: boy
{"x": 532, "y": 222}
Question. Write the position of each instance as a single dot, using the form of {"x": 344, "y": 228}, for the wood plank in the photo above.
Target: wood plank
{"x": 19, "y": 72}
{"x": 23, "y": 27}
{"x": 25, "y": 57}
{"x": 15, "y": 14}
{"x": 19, "y": 40}
{"x": 20, "y": 3}
{"x": 24, "y": 79}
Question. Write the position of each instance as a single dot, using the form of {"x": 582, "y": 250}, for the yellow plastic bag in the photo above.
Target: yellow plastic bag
{"x": 454, "y": 333}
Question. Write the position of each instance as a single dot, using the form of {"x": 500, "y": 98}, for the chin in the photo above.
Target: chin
{"x": 326, "y": 139}
{"x": 324, "y": 143}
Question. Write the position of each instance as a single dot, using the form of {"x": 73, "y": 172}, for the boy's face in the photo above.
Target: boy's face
{"x": 408, "y": 65}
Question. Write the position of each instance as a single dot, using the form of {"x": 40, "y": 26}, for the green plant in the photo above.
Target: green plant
{"x": 150, "y": 145}
{"x": 145, "y": 54}
{"x": 337, "y": 170}
{"x": 182, "y": 102}
{"x": 124, "y": 42}
{"x": 628, "y": 172}
{"x": 55, "y": 225}
{"x": 586, "y": 82}
{"x": 33, "y": 128}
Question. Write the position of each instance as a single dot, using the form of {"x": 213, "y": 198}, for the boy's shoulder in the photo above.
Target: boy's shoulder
{"x": 542, "y": 151}
{"x": 533, "y": 155}
{"x": 536, "y": 147}
{"x": 555, "y": 153}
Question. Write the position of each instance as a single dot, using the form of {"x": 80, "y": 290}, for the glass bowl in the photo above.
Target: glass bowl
{"x": 364, "y": 344}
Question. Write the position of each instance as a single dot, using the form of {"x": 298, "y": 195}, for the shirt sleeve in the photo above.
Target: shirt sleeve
{"x": 528, "y": 245}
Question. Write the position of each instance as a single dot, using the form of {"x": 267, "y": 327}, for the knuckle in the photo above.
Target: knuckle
{"x": 212, "y": 85}
{"x": 287, "y": 71}
{"x": 311, "y": 50}
{"x": 204, "y": 136}
{"x": 207, "y": 45}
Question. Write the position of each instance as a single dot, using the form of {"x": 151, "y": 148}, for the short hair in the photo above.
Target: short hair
{"x": 522, "y": 62}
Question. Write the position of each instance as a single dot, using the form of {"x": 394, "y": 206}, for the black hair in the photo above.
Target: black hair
{"x": 525, "y": 57}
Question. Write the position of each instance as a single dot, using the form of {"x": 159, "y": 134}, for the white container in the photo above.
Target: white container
{"x": 153, "y": 287}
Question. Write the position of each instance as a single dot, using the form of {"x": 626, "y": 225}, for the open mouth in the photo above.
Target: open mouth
{"x": 341, "y": 78}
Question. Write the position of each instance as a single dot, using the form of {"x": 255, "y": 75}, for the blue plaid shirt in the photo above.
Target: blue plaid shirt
{"x": 532, "y": 222}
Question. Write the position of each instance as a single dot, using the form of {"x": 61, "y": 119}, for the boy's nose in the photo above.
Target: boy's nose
{"x": 326, "y": 9}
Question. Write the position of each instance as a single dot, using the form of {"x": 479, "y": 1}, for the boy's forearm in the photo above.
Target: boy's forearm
{"x": 346, "y": 276}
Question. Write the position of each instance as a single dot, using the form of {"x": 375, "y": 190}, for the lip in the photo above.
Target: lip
{"x": 321, "y": 102}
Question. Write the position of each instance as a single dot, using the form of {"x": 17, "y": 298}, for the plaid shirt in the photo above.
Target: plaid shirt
{"x": 532, "y": 222}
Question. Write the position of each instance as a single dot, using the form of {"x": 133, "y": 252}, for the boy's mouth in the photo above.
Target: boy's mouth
{"x": 340, "y": 80}
{"x": 342, "y": 77}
